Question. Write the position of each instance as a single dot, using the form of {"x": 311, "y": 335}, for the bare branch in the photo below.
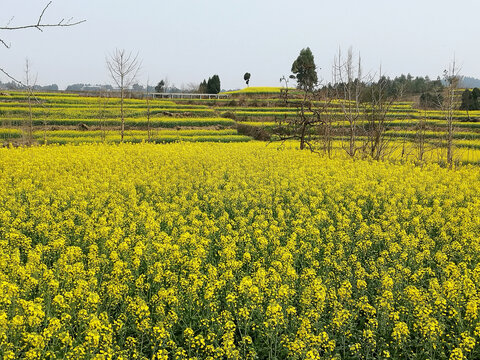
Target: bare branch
{"x": 43, "y": 12}
{"x": 39, "y": 25}
{"x": 5, "y": 44}
{"x": 11, "y": 77}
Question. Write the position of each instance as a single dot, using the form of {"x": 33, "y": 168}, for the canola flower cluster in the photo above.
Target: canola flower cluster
{"x": 234, "y": 251}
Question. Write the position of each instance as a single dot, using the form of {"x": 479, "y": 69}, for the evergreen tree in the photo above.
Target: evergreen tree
{"x": 246, "y": 77}
{"x": 476, "y": 99}
{"x": 431, "y": 100}
{"x": 213, "y": 85}
{"x": 160, "y": 88}
{"x": 467, "y": 100}
{"x": 305, "y": 70}
{"x": 202, "y": 89}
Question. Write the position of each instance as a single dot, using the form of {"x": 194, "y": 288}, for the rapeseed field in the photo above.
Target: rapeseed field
{"x": 235, "y": 251}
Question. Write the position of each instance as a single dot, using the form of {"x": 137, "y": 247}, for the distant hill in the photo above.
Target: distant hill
{"x": 14, "y": 86}
{"x": 469, "y": 82}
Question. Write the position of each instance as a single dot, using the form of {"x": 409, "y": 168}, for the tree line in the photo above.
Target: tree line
{"x": 362, "y": 104}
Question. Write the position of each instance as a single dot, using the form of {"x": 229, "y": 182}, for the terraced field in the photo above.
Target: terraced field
{"x": 249, "y": 113}
{"x": 71, "y": 118}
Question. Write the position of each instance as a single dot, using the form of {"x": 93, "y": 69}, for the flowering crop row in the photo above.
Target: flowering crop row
{"x": 160, "y": 122}
{"x": 89, "y": 112}
{"x": 139, "y": 138}
{"x": 71, "y": 99}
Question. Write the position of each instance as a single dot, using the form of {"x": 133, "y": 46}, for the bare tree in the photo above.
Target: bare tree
{"x": 148, "y": 112}
{"x": 30, "y": 83}
{"x": 348, "y": 82}
{"x": 191, "y": 87}
{"x": 166, "y": 85}
{"x": 420, "y": 135}
{"x": 40, "y": 24}
{"x": 325, "y": 118}
{"x": 102, "y": 106}
{"x": 376, "y": 112}
{"x": 284, "y": 90}
{"x": 30, "y": 95}
{"x": 420, "y": 132}
{"x": 449, "y": 105}
{"x": 313, "y": 124}
{"x": 123, "y": 68}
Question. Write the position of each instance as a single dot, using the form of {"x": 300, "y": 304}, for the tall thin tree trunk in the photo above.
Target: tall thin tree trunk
{"x": 421, "y": 136}
{"x": 45, "y": 132}
{"x": 121, "y": 111}
{"x": 30, "y": 118}
{"x": 148, "y": 115}
{"x": 450, "y": 141}
{"x": 29, "y": 98}
{"x": 452, "y": 80}
{"x": 450, "y": 105}
{"x": 302, "y": 137}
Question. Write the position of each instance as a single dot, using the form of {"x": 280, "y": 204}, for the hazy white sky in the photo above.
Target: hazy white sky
{"x": 189, "y": 40}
